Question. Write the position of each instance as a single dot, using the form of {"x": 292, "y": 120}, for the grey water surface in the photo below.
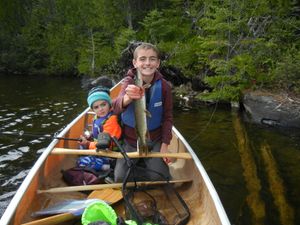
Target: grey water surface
{"x": 255, "y": 169}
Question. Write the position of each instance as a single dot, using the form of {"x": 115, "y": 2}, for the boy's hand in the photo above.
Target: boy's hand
{"x": 164, "y": 149}
{"x": 134, "y": 92}
{"x": 83, "y": 140}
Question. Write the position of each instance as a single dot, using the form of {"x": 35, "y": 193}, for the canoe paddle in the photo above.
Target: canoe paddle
{"x": 109, "y": 195}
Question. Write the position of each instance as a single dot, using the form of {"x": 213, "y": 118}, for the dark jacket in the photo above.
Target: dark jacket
{"x": 164, "y": 133}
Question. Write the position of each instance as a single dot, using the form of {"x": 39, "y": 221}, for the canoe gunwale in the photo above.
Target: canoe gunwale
{"x": 215, "y": 197}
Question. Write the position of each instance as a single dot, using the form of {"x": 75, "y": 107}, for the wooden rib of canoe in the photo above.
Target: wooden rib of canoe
{"x": 199, "y": 194}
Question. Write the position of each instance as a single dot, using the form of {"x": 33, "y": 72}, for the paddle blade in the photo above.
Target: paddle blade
{"x": 75, "y": 207}
{"x": 109, "y": 195}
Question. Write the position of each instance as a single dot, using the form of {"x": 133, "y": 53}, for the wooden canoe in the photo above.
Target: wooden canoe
{"x": 200, "y": 195}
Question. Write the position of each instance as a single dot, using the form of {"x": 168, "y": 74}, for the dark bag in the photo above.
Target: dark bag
{"x": 83, "y": 176}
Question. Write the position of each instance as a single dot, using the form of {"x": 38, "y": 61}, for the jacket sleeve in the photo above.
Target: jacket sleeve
{"x": 92, "y": 145}
{"x": 168, "y": 113}
{"x": 113, "y": 127}
{"x": 118, "y": 101}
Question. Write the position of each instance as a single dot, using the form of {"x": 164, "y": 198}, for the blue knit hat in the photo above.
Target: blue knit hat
{"x": 98, "y": 95}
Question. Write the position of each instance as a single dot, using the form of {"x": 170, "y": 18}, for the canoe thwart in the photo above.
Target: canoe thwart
{"x": 118, "y": 155}
{"x": 104, "y": 186}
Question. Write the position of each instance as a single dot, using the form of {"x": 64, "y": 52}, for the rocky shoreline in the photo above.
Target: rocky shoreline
{"x": 259, "y": 107}
{"x": 280, "y": 109}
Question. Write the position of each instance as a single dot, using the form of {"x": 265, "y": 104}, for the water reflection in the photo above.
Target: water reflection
{"x": 255, "y": 169}
{"x": 254, "y": 202}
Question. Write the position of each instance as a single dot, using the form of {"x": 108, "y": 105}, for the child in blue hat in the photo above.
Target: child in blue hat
{"x": 105, "y": 121}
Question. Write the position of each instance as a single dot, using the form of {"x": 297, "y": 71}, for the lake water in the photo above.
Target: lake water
{"x": 255, "y": 169}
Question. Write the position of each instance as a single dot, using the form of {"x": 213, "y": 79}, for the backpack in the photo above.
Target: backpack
{"x": 84, "y": 176}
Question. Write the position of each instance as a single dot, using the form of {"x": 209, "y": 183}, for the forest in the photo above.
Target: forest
{"x": 230, "y": 45}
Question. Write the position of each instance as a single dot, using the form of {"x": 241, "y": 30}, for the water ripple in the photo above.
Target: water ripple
{"x": 25, "y": 117}
{"x": 5, "y": 147}
{"x": 7, "y": 195}
{"x": 36, "y": 141}
{"x": 5, "y": 119}
{"x": 11, "y": 155}
{"x": 40, "y": 151}
{"x": 10, "y": 114}
{"x": 44, "y": 125}
{"x": 18, "y": 120}
{"x": 3, "y": 165}
{"x": 24, "y": 109}
{"x": 10, "y": 125}
{"x": 24, "y": 149}
{"x": 16, "y": 179}
{"x": 45, "y": 110}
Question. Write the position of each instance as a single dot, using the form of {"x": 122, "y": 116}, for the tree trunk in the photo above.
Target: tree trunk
{"x": 129, "y": 16}
{"x": 93, "y": 52}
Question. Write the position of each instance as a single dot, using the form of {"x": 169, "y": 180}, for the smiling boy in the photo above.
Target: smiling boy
{"x": 158, "y": 102}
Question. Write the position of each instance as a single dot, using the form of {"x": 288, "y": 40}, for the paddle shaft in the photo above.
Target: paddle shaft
{"x": 118, "y": 155}
{"x": 104, "y": 186}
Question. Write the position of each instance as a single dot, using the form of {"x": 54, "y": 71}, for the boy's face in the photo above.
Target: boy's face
{"x": 146, "y": 62}
{"x": 101, "y": 108}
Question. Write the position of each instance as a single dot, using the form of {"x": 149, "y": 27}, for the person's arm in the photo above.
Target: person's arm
{"x": 117, "y": 103}
{"x": 84, "y": 142}
{"x": 112, "y": 127}
{"x": 128, "y": 93}
{"x": 92, "y": 145}
{"x": 167, "y": 120}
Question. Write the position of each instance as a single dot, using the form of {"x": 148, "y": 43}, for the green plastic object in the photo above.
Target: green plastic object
{"x": 99, "y": 211}
{"x": 130, "y": 222}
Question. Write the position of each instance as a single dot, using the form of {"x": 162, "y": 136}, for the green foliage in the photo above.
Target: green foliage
{"x": 287, "y": 72}
{"x": 123, "y": 39}
{"x": 61, "y": 49}
{"x": 157, "y": 27}
{"x": 233, "y": 45}
{"x": 184, "y": 55}
{"x": 243, "y": 43}
{"x": 226, "y": 93}
{"x": 13, "y": 14}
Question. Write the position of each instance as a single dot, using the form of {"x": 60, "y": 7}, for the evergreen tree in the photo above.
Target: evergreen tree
{"x": 232, "y": 45}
